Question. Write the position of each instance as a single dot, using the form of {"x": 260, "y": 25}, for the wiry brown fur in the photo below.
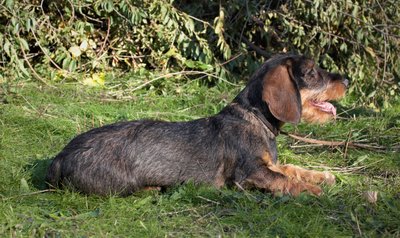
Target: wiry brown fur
{"x": 237, "y": 146}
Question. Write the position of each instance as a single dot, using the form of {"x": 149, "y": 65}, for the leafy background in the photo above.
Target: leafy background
{"x": 69, "y": 66}
{"x": 88, "y": 40}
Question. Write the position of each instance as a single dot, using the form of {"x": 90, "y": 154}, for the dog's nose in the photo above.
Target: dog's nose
{"x": 346, "y": 82}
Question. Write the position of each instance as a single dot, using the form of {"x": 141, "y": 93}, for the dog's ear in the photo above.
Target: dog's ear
{"x": 282, "y": 95}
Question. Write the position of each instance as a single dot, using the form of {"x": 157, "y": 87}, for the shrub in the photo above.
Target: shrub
{"x": 53, "y": 40}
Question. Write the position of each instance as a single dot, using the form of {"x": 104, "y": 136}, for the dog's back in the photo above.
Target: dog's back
{"x": 124, "y": 157}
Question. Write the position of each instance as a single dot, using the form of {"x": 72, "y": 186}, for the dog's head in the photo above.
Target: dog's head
{"x": 294, "y": 87}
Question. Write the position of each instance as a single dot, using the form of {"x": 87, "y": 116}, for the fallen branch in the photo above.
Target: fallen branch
{"x": 347, "y": 144}
{"x": 350, "y": 169}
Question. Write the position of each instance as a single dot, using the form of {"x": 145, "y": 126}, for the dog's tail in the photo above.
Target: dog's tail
{"x": 54, "y": 173}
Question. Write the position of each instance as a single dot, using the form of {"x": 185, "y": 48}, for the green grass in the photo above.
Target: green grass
{"x": 35, "y": 124}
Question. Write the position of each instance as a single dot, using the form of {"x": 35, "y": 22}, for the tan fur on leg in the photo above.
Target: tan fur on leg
{"x": 281, "y": 184}
{"x": 305, "y": 175}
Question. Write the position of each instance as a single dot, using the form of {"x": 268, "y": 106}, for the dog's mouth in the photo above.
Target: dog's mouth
{"x": 324, "y": 106}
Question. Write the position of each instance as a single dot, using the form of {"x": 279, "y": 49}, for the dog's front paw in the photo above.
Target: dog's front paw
{"x": 313, "y": 189}
{"x": 294, "y": 188}
{"x": 329, "y": 178}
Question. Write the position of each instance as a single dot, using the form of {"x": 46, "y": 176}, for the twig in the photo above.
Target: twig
{"x": 350, "y": 169}
{"x": 257, "y": 49}
{"x": 72, "y": 12}
{"x": 347, "y": 143}
{"x": 44, "y": 51}
{"x": 29, "y": 194}
{"x": 179, "y": 73}
{"x": 199, "y": 20}
{"x": 231, "y": 59}
{"x": 358, "y": 225}
{"x": 346, "y": 147}
{"x": 245, "y": 192}
{"x": 209, "y": 200}
{"x": 37, "y": 76}
{"x": 201, "y": 218}
{"x": 105, "y": 39}
{"x": 184, "y": 210}
{"x": 385, "y": 35}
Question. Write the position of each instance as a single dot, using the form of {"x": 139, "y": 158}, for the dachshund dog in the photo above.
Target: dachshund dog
{"x": 237, "y": 146}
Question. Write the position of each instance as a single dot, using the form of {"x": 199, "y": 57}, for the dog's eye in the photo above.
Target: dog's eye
{"x": 312, "y": 72}
{"x": 311, "y": 77}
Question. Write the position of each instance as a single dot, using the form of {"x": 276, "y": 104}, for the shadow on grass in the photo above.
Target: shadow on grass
{"x": 38, "y": 170}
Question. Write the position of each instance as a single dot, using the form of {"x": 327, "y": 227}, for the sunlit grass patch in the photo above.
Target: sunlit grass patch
{"x": 36, "y": 123}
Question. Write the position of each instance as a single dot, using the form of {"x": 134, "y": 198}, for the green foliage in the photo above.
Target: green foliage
{"x": 57, "y": 39}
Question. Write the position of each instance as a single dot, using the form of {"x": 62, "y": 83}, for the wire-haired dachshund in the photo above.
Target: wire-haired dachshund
{"x": 237, "y": 146}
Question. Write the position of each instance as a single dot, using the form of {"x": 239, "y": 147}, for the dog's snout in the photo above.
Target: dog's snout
{"x": 346, "y": 82}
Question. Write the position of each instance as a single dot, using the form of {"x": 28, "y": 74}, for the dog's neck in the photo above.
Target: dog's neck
{"x": 247, "y": 113}
{"x": 274, "y": 129}
{"x": 252, "y": 103}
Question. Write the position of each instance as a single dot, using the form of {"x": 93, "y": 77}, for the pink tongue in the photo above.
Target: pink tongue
{"x": 326, "y": 107}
